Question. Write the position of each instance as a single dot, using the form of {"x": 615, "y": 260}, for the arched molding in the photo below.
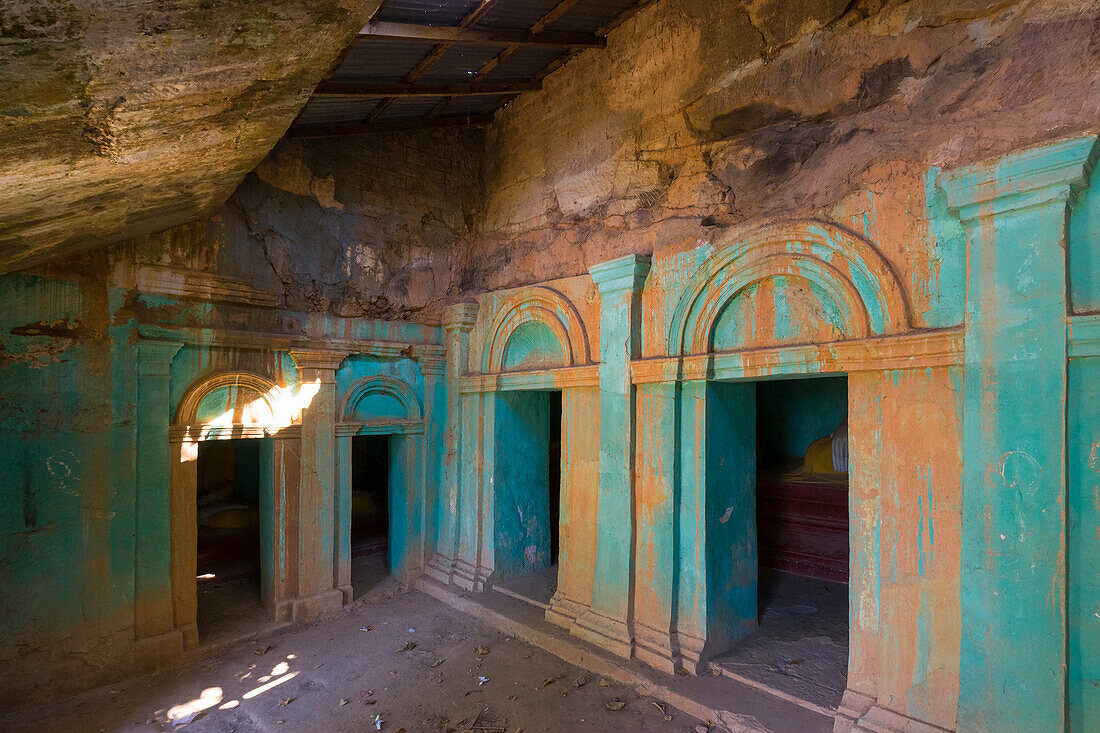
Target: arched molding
{"x": 542, "y": 304}
{"x": 845, "y": 266}
{"x": 273, "y": 396}
{"x": 381, "y": 385}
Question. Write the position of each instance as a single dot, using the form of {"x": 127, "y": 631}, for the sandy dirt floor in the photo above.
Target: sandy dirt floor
{"x": 419, "y": 666}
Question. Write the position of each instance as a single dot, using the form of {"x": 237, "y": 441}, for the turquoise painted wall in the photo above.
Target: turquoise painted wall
{"x": 1083, "y": 541}
{"x": 521, "y": 484}
{"x": 1084, "y": 250}
{"x": 69, "y": 504}
{"x": 792, "y": 413}
{"x": 731, "y": 547}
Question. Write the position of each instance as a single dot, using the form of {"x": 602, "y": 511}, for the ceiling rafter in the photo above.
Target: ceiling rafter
{"x": 369, "y": 89}
{"x": 433, "y": 56}
{"x": 315, "y": 131}
{"x": 399, "y": 22}
{"x": 381, "y": 29}
{"x": 556, "y": 12}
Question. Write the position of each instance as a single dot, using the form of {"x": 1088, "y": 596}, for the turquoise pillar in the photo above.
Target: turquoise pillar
{"x": 1083, "y": 537}
{"x": 656, "y": 479}
{"x": 477, "y": 448}
{"x": 154, "y": 624}
{"x": 317, "y": 593}
{"x": 609, "y": 622}
{"x": 458, "y": 321}
{"x": 716, "y": 568}
{"x": 1013, "y": 655}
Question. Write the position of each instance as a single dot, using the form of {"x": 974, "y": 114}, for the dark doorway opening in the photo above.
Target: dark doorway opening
{"x": 554, "y": 460}
{"x": 371, "y": 457}
{"x": 801, "y": 643}
{"x": 228, "y": 548}
{"x": 527, "y": 495}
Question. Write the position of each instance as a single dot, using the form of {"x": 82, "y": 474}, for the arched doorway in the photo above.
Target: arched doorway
{"x": 379, "y": 485}
{"x": 234, "y": 476}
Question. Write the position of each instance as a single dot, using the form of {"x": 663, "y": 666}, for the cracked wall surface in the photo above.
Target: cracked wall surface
{"x": 122, "y": 118}
{"x": 357, "y": 227}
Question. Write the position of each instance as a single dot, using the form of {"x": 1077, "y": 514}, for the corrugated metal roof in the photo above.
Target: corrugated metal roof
{"x": 383, "y": 60}
{"x": 373, "y": 59}
{"x": 336, "y": 111}
{"x": 472, "y": 105}
{"x": 426, "y": 12}
{"x": 517, "y": 14}
{"x": 459, "y": 64}
{"x": 526, "y": 63}
{"x": 588, "y": 16}
{"x": 410, "y": 108}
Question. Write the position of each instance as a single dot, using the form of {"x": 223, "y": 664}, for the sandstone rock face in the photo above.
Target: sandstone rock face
{"x": 120, "y": 118}
{"x": 697, "y": 118}
{"x": 700, "y": 116}
{"x": 358, "y": 227}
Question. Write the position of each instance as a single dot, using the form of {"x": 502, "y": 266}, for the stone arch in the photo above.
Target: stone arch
{"x": 378, "y": 395}
{"x": 847, "y": 267}
{"x": 249, "y": 399}
{"x": 547, "y": 307}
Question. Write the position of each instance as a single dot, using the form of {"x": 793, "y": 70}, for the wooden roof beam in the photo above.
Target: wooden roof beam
{"x": 334, "y": 88}
{"x": 316, "y": 131}
{"x": 480, "y": 37}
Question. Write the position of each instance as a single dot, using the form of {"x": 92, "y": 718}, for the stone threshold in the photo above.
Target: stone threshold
{"x": 731, "y": 702}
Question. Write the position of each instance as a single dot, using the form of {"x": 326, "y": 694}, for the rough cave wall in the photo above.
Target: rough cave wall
{"x": 701, "y": 115}
{"x": 360, "y": 227}
{"x": 119, "y": 118}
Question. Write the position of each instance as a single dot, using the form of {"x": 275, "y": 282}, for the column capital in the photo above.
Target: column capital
{"x": 154, "y": 356}
{"x": 318, "y": 359}
{"x": 460, "y": 316}
{"x": 1021, "y": 180}
{"x": 433, "y": 364}
{"x": 622, "y": 274}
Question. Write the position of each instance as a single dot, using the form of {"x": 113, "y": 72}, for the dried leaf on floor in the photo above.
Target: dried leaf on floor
{"x": 581, "y": 681}
{"x": 436, "y": 663}
{"x": 409, "y": 646}
{"x": 286, "y": 701}
{"x": 263, "y": 650}
{"x": 604, "y": 682}
{"x": 615, "y": 704}
{"x": 548, "y": 681}
{"x": 343, "y": 701}
{"x": 481, "y": 650}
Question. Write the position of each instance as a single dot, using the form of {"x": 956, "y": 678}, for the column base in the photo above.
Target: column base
{"x": 347, "y": 592}
{"x": 151, "y": 651}
{"x": 655, "y": 647}
{"x": 311, "y": 608}
{"x": 470, "y": 577}
{"x": 882, "y": 720}
{"x": 564, "y": 612}
{"x": 853, "y": 706}
{"x": 691, "y": 651}
{"x": 440, "y": 569}
{"x": 190, "y": 634}
{"x": 607, "y": 633}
